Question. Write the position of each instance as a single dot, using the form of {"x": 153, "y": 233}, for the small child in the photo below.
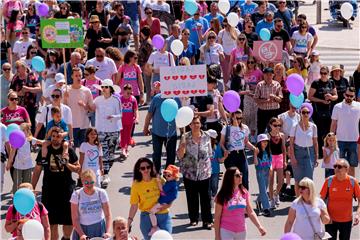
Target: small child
{"x": 56, "y": 122}
{"x": 169, "y": 192}
{"x": 155, "y": 88}
{"x": 262, "y": 161}
{"x": 130, "y": 116}
{"x": 330, "y": 154}
{"x": 91, "y": 155}
{"x": 123, "y": 32}
{"x": 314, "y": 68}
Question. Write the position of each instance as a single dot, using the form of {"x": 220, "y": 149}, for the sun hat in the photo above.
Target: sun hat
{"x": 262, "y": 137}
{"x": 109, "y": 83}
{"x": 336, "y": 67}
{"x": 60, "y": 78}
{"x": 212, "y": 133}
{"x": 315, "y": 53}
{"x": 173, "y": 170}
{"x": 94, "y": 19}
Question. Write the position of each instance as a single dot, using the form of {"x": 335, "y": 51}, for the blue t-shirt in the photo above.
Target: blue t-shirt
{"x": 264, "y": 162}
{"x": 236, "y": 3}
{"x": 248, "y": 8}
{"x": 189, "y": 52}
{"x": 159, "y": 126}
{"x": 62, "y": 124}
{"x": 286, "y": 17}
{"x": 217, "y": 155}
{"x": 208, "y": 17}
{"x": 192, "y": 25}
{"x": 170, "y": 192}
{"x": 264, "y": 24}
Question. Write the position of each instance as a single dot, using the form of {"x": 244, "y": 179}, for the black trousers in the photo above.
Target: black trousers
{"x": 323, "y": 123}
{"x": 263, "y": 118}
{"x": 238, "y": 159}
{"x": 344, "y": 229}
{"x": 196, "y": 190}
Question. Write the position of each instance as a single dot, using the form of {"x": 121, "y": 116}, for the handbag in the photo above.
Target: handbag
{"x": 317, "y": 235}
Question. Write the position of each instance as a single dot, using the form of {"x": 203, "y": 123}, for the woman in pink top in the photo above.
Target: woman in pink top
{"x": 232, "y": 203}
{"x": 131, "y": 73}
{"x": 241, "y": 53}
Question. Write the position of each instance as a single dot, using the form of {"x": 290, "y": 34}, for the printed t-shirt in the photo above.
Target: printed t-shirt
{"x": 129, "y": 106}
{"x": 237, "y": 137}
{"x": 130, "y": 74}
{"x": 239, "y": 55}
{"x": 91, "y": 157}
{"x": 18, "y": 116}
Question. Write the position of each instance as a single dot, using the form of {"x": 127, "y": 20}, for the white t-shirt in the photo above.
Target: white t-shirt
{"x": 65, "y": 113}
{"x": 106, "y": 68}
{"x": 3, "y": 137}
{"x": 302, "y": 226}
{"x": 20, "y": 47}
{"x": 91, "y": 157}
{"x": 301, "y": 41}
{"x": 90, "y": 206}
{"x": 212, "y": 54}
{"x": 334, "y": 156}
{"x": 304, "y": 139}
{"x": 347, "y": 117}
{"x": 104, "y": 108}
{"x": 236, "y": 138}
{"x": 228, "y": 43}
{"x": 288, "y": 122}
{"x": 165, "y": 7}
{"x": 158, "y": 59}
{"x": 23, "y": 158}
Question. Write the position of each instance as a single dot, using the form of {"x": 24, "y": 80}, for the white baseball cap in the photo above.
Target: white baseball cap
{"x": 262, "y": 137}
{"x": 60, "y": 78}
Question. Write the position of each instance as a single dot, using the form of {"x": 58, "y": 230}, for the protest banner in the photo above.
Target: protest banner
{"x": 183, "y": 81}
{"x": 268, "y": 51}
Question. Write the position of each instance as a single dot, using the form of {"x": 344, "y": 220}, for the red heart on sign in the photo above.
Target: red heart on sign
{"x": 202, "y": 91}
{"x": 193, "y": 91}
{"x": 201, "y": 76}
{"x": 193, "y": 77}
{"x": 183, "y": 77}
{"x": 185, "y": 92}
{"x": 175, "y": 77}
{"x": 167, "y": 92}
{"x": 167, "y": 77}
{"x": 177, "y": 92}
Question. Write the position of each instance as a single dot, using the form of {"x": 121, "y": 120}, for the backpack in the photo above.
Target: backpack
{"x": 41, "y": 207}
{"x": 352, "y": 181}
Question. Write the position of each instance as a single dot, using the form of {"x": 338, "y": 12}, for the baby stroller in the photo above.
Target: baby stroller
{"x": 335, "y": 7}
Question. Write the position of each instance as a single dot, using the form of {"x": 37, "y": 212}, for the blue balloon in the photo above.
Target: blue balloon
{"x": 38, "y": 63}
{"x": 169, "y": 109}
{"x": 10, "y": 128}
{"x": 24, "y": 200}
{"x": 190, "y": 6}
{"x": 265, "y": 34}
{"x": 296, "y": 101}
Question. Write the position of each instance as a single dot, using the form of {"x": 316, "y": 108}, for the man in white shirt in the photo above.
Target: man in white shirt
{"x": 21, "y": 46}
{"x": 106, "y": 67}
{"x": 345, "y": 123}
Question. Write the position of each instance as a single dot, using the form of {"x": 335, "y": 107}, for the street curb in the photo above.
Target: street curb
{"x": 332, "y": 47}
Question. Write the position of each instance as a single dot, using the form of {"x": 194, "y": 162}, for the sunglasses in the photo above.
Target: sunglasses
{"x": 55, "y": 96}
{"x": 349, "y": 96}
{"x": 276, "y": 125}
{"x": 279, "y": 26}
{"x": 305, "y": 112}
{"x": 33, "y": 53}
{"x": 106, "y": 87}
{"x": 24, "y": 33}
{"x": 238, "y": 175}
{"x": 148, "y": 13}
{"x": 282, "y": 2}
{"x": 89, "y": 182}
{"x": 14, "y": 99}
{"x": 99, "y": 56}
{"x": 145, "y": 168}
{"x": 251, "y": 62}
{"x": 63, "y": 8}
{"x": 186, "y": 34}
{"x": 211, "y": 37}
{"x": 303, "y": 187}
{"x": 135, "y": 57}
{"x": 323, "y": 73}
{"x": 338, "y": 166}
{"x": 239, "y": 118}
{"x": 6, "y": 69}
{"x": 241, "y": 39}
{"x": 303, "y": 27}
{"x": 196, "y": 14}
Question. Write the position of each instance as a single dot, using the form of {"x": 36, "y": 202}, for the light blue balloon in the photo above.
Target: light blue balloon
{"x": 296, "y": 101}
{"x": 38, "y": 63}
{"x": 190, "y": 6}
{"x": 12, "y": 127}
{"x": 169, "y": 109}
{"x": 265, "y": 34}
{"x": 24, "y": 200}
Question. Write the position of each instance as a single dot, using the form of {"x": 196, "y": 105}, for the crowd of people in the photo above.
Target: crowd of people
{"x": 77, "y": 112}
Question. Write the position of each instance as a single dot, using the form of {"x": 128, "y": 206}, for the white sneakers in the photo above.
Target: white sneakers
{"x": 277, "y": 199}
{"x": 105, "y": 182}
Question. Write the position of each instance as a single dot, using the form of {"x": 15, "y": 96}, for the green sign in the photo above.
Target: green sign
{"x": 62, "y": 33}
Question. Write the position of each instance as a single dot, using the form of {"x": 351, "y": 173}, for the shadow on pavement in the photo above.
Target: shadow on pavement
{"x": 125, "y": 190}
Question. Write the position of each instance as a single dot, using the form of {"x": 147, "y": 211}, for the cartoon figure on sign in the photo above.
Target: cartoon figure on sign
{"x": 268, "y": 51}
{"x": 49, "y": 34}
{"x": 75, "y": 33}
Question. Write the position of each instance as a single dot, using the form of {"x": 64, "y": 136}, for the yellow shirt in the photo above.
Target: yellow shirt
{"x": 304, "y": 72}
{"x": 145, "y": 194}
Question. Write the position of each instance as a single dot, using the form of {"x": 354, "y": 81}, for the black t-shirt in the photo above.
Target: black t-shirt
{"x": 322, "y": 88}
{"x": 102, "y": 16}
{"x": 257, "y": 17}
{"x": 94, "y": 37}
{"x": 5, "y": 45}
{"x": 114, "y": 23}
{"x": 281, "y": 35}
{"x": 55, "y": 173}
{"x": 341, "y": 86}
{"x": 251, "y": 37}
{"x": 201, "y": 103}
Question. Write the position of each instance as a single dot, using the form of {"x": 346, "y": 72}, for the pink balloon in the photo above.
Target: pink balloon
{"x": 17, "y": 138}
{"x": 308, "y": 106}
{"x": 158, "y": 41}
{"x": 231, "y": 101}
{"x": 295, "y": 84}
{"x": 43, "y": 10}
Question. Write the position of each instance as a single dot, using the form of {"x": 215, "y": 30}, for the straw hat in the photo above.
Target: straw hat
{"x": 108, "y": 83}
{"x": 336, "y": 67}
{"x": 94, "y": 19}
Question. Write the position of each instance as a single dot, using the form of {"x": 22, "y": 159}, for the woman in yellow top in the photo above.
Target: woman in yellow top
{"x": 299, "y": 68}
{"x": 144, "y": 195}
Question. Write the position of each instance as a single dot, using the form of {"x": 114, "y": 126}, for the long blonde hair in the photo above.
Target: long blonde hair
{"x": 232, "y": 30}
{"x": 307, "y": 182}
{"x": 217, "y": 26}
{"x": 207, "y": 44}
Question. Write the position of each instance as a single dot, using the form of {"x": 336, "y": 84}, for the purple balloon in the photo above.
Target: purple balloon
{"x": 308, "y": 106}
{"x": 295, "y": 84}
{"x": 290, "y": 236}
{"x": 17, "y": 139}
{"x": 158, "y": 41}
{"x": 231, "y": 101}
{"x": 43, "y": 10}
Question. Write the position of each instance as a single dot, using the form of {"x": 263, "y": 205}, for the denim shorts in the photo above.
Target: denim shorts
{"x": 135, "y": 25}
{"x": 348, "y": 150}
{"x": 305, "y": 157}
{"x": 163, "y": 220}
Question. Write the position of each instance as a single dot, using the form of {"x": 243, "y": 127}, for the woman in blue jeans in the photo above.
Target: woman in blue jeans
{"x": 144, "y": 195}
{"x": 303, "y": 147}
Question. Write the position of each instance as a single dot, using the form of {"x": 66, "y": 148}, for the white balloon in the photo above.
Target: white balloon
{"x": 161, "y": 235}
{"x": 233, "y": 19}
{"x": 33, "y": 230}
{"x": 224, "y": 6}
{"x": 346, "y": 10}
{"x": 184, "y": 117}
{"x": 177, "y": 47}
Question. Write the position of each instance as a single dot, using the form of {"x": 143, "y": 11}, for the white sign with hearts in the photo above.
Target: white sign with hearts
{"x": 183, "y": 81}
